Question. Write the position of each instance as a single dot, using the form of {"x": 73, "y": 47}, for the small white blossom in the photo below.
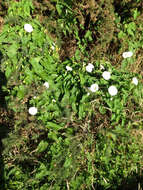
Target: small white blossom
{"x": 89, "y": 67}
{"x": 46, "y": 84}
{"x": 34, "y": 97}
{"x": 101, "y": 67}
{"x": 68, "y": 68}
{"x": 33, "y": 110}
{"x": 53, "y": 100}
{"x": 94, "y": 87}
{"x": 112, "y": 90}
{"x": 106, "y": 75}
{"x": 135, "y": 81}
{"x": 28, "y": 28}
{"x": 127, "y": 54}
{"x": 53, "y": 46}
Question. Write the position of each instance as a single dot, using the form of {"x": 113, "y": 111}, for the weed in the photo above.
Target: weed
{"x": 75, "y": 93}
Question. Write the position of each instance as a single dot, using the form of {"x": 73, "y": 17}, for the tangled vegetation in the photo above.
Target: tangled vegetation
{"x": 71, "y": 96}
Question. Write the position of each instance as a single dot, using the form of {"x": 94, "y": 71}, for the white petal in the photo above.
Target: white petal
{"x": 106, "y": 75}
{"x": 46, "y": 84}
{"x": 28, "y": 28}
{"x": 68, "y": 68}
{"x": 33, "y": 110}
{"x": 89, "y": 67}
{"x": 94, "y": 87}
{"x": 53, "y": 46}
{"x": 127, "y": 54}
{"x": 112, "y": 90}
{"x": 135, "y": 81}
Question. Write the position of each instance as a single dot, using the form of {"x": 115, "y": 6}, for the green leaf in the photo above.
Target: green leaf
{"x": 59, "y": 10}
{"x": 48, "y": 63}
{"x": 42, "y": 146}
{"x": 38, "y": 69}
{"x": 88, "y": 35}
{"x": 74, "y": 107}
{"x": 36, "y": 65}
{"x": 102, "y": 110}
{"x": 21, "y": 92}
{"x": 82, "y": 78}
{"x": 43, "y": 171}
{"x": 77, "y": 55}
{"x": 81, "y": 111}
{"x": 29, "y": 76}
{"x": 13, "y": 171}
{"x": 131, "y": 28}
{"x": 53, "y": 136}
{"x": 113, "y": 117}
{"x": 118, "y": 118}
{"x": 12, "y": 50}
{"x": 109, "y": 103}
{"x": 8, "y": 72}
{"x": 51, "y": 125}
{"x": 121, "y": 35}
{"x": 136, "y": 13}
{"x": 67, "y": 162}
{"x": 85, "y": 98}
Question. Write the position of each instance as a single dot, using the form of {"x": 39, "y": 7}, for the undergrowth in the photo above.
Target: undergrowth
{"x": 71, "y": 102}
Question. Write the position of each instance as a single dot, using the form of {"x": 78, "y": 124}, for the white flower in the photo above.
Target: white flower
{"x": 28, "y": 28}
{"x": 46, "y": 84}
{"x": 106, "y": 75}
{"x": 34, "y": 97}
{"x": 93, "y": 87}
{"x": 101, "y": 67}
{"x": 53, "y": 100}
{"x": 68, "y": 68}
{"x": 127, "y": 54}
{"x": 33, "y": 110}
{"x": 53, "y": 46}
{"x": 89, "y": 67}
{"x": 135, "y": 81}
{"x": 112, "y": 90}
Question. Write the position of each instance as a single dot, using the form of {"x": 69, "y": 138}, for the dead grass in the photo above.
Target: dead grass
{"x": 138, "y": 134}
{"x": 1, "y": 23}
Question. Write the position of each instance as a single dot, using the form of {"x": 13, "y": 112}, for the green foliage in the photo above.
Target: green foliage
{"x": 111, "y": 159}
{"x": 63, "y": 145}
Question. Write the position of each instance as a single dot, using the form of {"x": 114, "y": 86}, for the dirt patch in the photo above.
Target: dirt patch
{"x": 67, "y": 49}
{"x": 1, "y": 23}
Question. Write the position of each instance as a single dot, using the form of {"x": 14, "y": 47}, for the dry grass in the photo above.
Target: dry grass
{"x": 138, "y": 134}
{"x": 1, "y": 23}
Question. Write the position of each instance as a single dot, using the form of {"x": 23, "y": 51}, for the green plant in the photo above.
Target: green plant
{"x": 62, "y": 143}
{"x": 114, "y": 157}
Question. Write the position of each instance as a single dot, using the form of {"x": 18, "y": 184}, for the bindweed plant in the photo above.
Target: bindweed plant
{"x": 60, "y": 103}
{"x": 33, "y": 57}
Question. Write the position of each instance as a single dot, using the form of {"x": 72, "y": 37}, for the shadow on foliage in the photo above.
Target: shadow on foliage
{"x": 4, "y": 124}
{"x": 134, "y": 182}
{"x": 125, "y": 8}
